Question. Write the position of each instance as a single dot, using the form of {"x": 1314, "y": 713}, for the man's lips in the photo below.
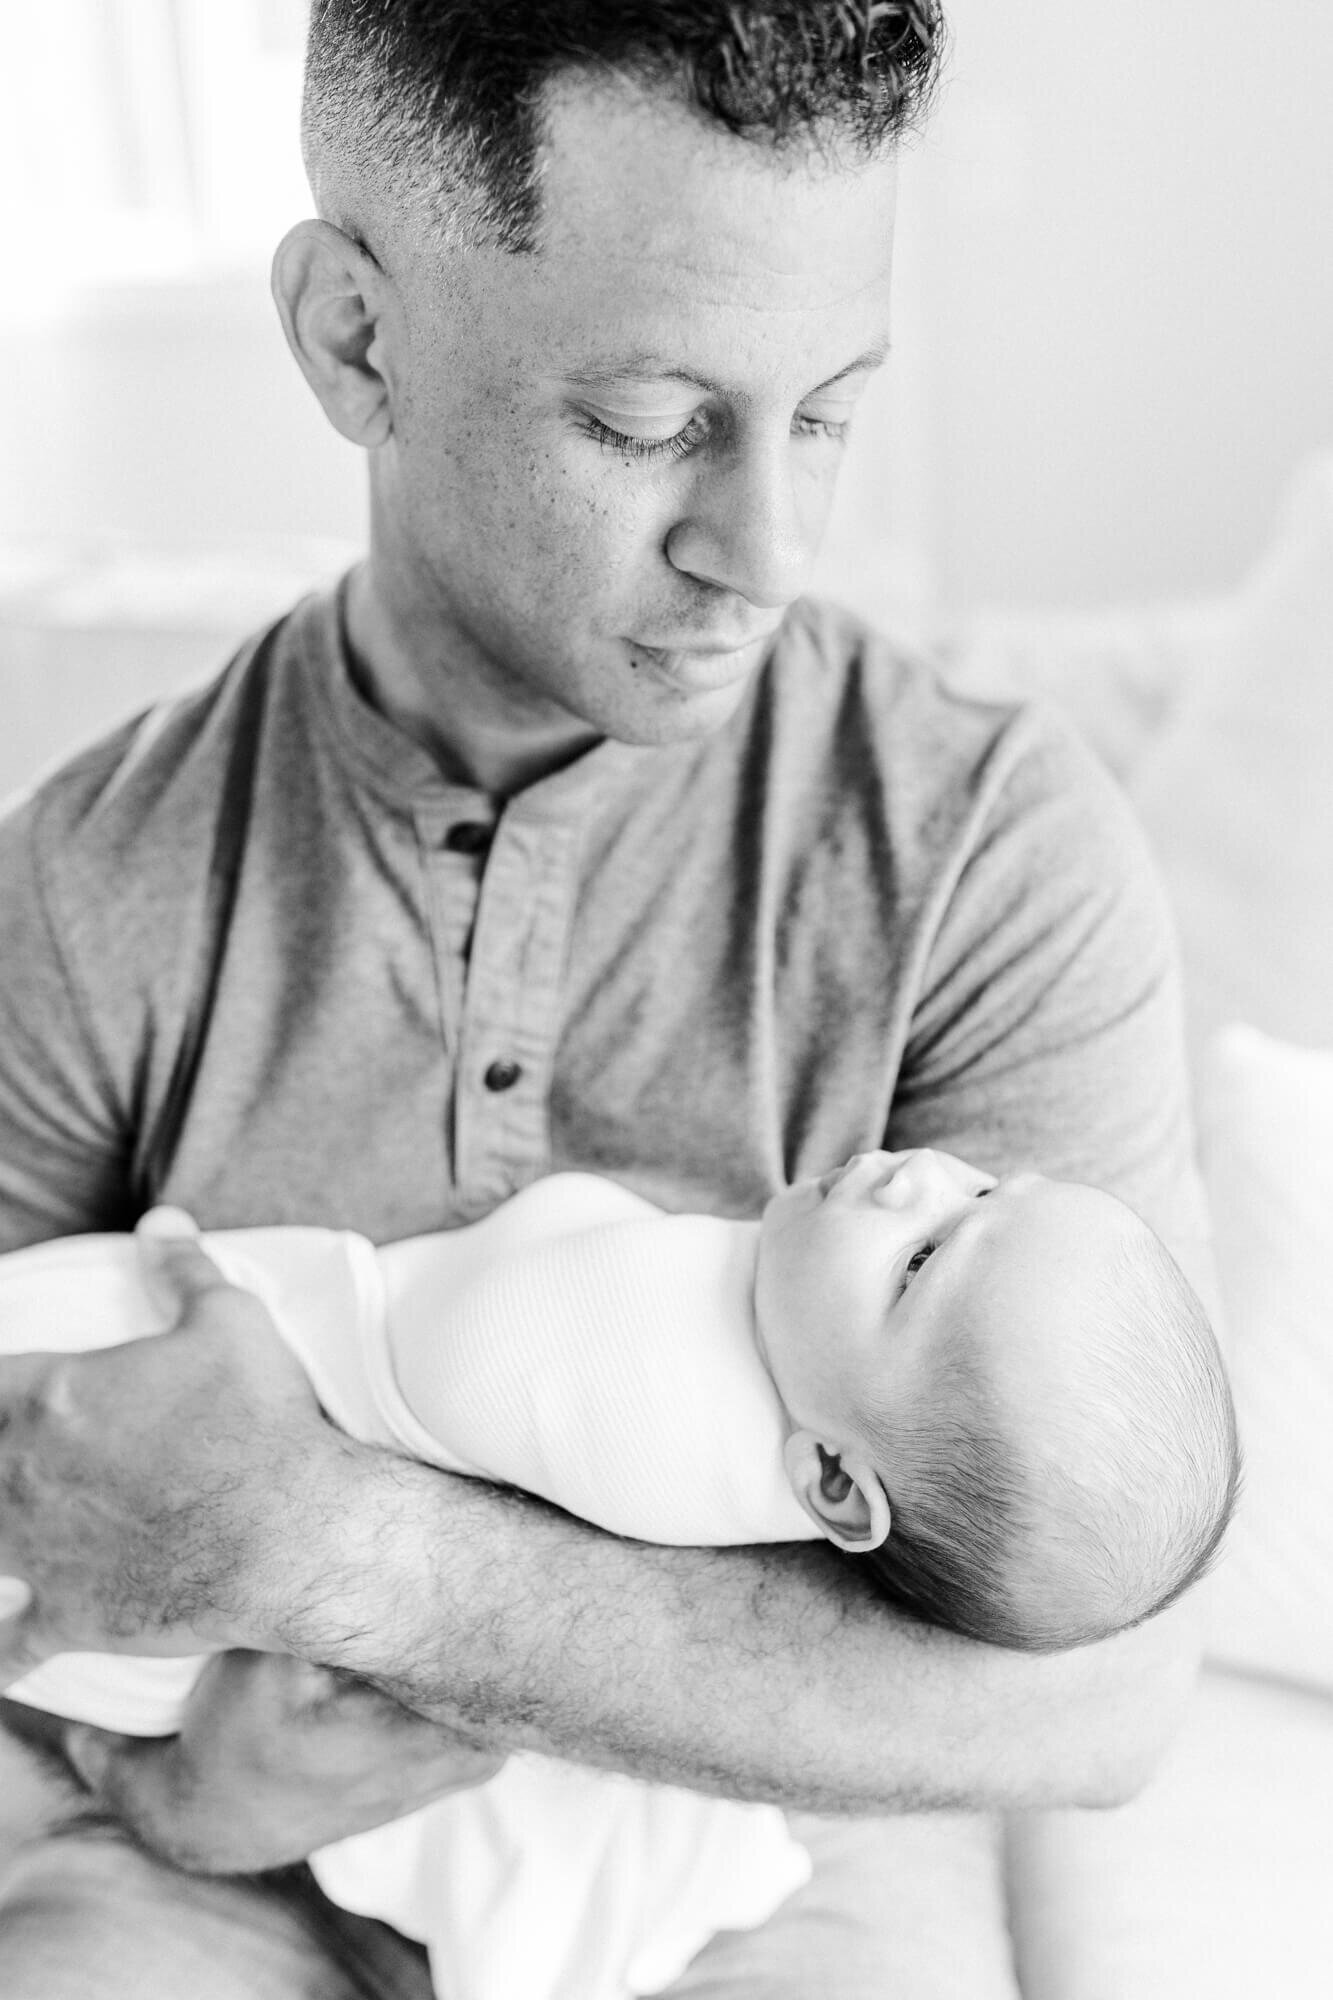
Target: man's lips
{"x": 699, "y": 649}
{"x": 701, "y": 665}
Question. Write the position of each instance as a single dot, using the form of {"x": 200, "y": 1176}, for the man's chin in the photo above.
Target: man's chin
{"x": 661, "y": 711}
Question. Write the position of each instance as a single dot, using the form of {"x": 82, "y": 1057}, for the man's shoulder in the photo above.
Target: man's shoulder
{"x": 136, "y": 811}
{"x": 862, "y": 713}
{"x": 830, "y": 668}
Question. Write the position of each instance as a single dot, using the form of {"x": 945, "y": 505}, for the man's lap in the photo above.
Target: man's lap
{"x": 897, "y": 1909}
{"x": 907, "y": 1908}
{"x": 85, "y": 1915}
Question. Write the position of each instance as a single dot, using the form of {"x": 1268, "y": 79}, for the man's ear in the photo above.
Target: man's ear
{"x": 840, "y": 1491}
{"x": 331, "y": 296}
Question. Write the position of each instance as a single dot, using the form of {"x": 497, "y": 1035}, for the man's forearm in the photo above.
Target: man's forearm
{"x": 184, "y": 1493}
{"x": 761, "y": 1673}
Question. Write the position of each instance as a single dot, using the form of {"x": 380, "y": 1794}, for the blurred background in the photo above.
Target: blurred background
{"x": 1100, "y": 469}
{"x": 1114, "y": 323}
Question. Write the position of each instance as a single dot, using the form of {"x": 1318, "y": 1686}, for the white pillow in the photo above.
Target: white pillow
{"x": 1237, "y": 798}
{"x": 1213, "y": 1884}
{"x": 1266, "y": 1135}
{"x": 1118, "y": 673}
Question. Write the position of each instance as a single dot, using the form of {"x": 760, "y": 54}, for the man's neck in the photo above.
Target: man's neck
{"x": 430, "y": 682}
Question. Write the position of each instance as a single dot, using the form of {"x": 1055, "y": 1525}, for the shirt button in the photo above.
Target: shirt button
{"x": 469, "y": 836}
{"x": 503, "y": 1074}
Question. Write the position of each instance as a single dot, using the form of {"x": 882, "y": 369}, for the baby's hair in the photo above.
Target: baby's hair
{"x": 956, "y": 1505}
{"x": 1111, "y": 1515}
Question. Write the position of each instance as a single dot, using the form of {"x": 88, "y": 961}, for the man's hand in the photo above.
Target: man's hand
{"x": 274, "y": 1759}
{"x": 141, "y": 1486}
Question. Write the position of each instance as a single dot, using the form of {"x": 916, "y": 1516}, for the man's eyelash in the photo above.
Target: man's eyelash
{"x": 676, "y": 446}
{"x": 829, "y": 427}
{"x": 689, "y": 436}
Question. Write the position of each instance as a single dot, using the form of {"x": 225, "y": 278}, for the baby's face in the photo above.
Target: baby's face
{"x": 866, "y": 1272}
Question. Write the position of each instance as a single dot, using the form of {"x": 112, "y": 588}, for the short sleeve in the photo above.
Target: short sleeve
{"x": 1048, "y": 1032}
{"x": 62, "y": 1150}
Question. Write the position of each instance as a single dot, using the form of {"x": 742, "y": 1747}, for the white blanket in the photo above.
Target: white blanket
{"x": 581, "y": 1345}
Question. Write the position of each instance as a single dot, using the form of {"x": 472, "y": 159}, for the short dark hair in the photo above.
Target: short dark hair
{"x": 440, "y": 101}
{"x": 1120, "y": 1510}
{"x": 956, "y": 1516}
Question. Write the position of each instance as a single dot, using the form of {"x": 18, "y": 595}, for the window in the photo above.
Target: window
{"x": 144, "y": 139}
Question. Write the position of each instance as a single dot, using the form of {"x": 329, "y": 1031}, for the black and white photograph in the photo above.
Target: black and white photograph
{"x": 666, "y": 1000}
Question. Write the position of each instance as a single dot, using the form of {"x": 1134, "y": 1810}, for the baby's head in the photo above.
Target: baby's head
{"x": 1003, "y": 1394}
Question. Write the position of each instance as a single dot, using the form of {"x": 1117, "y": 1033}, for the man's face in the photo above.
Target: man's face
{"x": 612, "y": 461}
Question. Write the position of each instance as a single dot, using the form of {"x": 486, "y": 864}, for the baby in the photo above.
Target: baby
{"x": 1004, "y": 1394}
{"x": 1001, "y": 1397}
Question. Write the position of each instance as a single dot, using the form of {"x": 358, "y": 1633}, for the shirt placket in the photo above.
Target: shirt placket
{"x": 511, "y": 1005}
{"x": 453, "y": 838}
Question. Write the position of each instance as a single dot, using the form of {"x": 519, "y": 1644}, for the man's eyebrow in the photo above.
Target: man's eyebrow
{"x": 646, "y": 367}
{"x": 636, "y": 368}
{"x": 873, "y": 357}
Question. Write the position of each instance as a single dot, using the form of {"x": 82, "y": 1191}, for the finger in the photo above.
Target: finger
{"x": 138, "y": 1780}
{"x": 89, "y": 1752}
{"x": 15, "y": 1597}
{"x": 131, "y": 1776}
{"x": 175, "y": 1267}
{"x": 15, "y": 1649}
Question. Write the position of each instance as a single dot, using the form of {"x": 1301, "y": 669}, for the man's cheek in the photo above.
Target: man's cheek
{"x": 596, "y": 529}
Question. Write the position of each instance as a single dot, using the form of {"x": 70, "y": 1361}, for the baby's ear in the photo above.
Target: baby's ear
{"x": 840, "y": 1491}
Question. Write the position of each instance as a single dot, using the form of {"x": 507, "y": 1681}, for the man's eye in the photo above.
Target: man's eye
{"x": 676, "y": 446}
{"x": 915, "y": 1261}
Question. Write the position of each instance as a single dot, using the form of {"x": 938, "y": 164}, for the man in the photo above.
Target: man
{"x": 555, "y": 838}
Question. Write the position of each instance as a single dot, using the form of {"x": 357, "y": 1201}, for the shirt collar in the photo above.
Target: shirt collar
{"x": 403, "y": 771}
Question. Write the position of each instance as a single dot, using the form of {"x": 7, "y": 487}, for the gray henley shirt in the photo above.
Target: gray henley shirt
{"x": 867, "y": 911}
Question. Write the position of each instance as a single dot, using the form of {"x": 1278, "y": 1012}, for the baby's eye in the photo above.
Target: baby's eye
{"x": 915, "y": 1261}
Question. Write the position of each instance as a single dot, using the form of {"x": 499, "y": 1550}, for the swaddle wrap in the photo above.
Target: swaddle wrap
{"x": 585, "y": 1347}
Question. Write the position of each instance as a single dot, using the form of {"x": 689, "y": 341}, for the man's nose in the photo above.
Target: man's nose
{"x": 753, "y": 524}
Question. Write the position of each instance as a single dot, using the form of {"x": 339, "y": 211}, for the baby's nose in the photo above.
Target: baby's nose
{"x": 922, "y": 1180}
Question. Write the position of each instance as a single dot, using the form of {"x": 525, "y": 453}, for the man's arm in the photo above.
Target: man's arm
{"x": 1047, "y": 1032}
{"x": 194, "y": 1481}
{"x": 768, "y": 1674}
{"x": 764, "y": 1674}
